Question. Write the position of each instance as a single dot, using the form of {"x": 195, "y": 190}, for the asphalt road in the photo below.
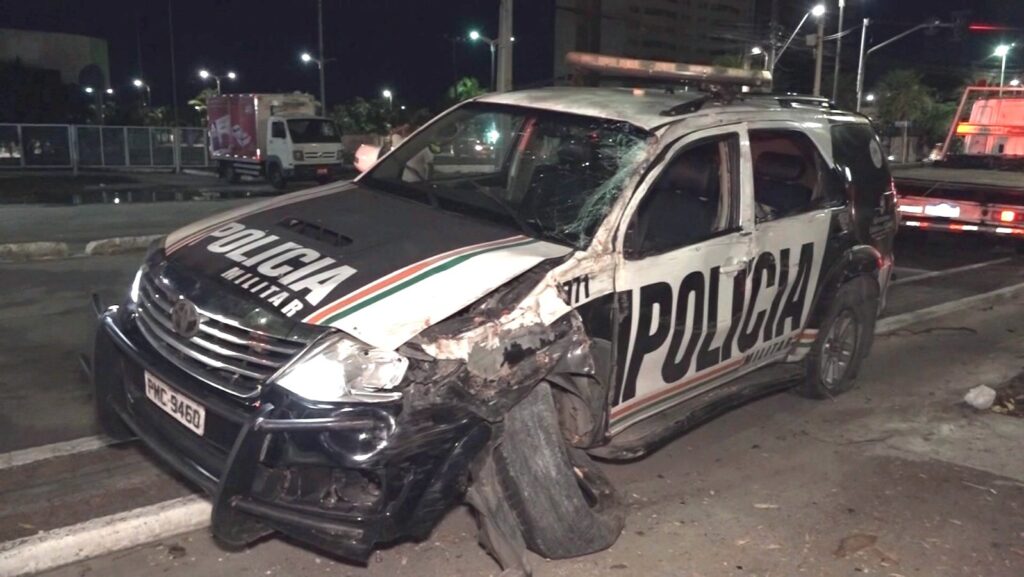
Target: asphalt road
{"x": 774, "y": 487}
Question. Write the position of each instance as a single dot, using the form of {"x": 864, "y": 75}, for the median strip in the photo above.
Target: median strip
{"x": 50, "y": 549}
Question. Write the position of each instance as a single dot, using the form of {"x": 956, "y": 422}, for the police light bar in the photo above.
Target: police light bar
{"x": 672, "y": 71}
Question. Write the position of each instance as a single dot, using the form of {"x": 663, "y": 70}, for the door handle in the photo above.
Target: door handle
{"x": 733, "y": 265}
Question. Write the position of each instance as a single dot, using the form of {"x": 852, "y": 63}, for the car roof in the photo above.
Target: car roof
{"x": 650, "y": 108}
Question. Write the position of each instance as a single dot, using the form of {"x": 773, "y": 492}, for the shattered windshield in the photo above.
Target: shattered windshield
{"x": 551, "y": 175}
{"x": 306, "y": 130}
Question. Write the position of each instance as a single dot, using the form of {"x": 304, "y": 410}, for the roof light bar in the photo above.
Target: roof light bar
{"x": 673, "y": 71}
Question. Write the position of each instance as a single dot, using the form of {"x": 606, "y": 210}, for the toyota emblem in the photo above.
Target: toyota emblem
{"x": 185, "y": 318}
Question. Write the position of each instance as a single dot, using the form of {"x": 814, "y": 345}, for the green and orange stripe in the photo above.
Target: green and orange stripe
{"x": 407, "y": 277}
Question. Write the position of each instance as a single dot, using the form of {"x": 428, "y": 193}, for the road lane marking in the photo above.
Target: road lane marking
{"x": 33, "y": 454}
{"x": 49, "y": 549}
{"x": 935, "y": 273}
{"x": 896, "y": 322}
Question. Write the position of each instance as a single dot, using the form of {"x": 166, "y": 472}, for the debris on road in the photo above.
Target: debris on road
{"x": 1010, "y": 398}
{"x": 855, "y": 543}
{"x": 981, "y": 397}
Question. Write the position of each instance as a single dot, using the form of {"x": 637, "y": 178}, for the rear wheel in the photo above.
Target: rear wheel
{"x": 563, "y": 503}
{"x": 843, "y": 342}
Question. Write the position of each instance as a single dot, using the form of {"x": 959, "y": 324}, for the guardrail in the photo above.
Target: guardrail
{"x": 71, "y": 146}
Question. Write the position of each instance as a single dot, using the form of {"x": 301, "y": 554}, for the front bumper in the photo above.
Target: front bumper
{"x": 344, "y": 478}
{"x": 313, "y": 171}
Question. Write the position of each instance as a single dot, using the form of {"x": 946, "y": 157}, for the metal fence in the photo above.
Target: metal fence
{"x": 73, "y": 146}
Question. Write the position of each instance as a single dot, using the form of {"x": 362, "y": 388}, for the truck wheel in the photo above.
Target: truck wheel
{"x": 844, "y": 340}
{"x": 231, "y": 175}
{"x": 276, "y": 176}
{"x": 563, "y": 503}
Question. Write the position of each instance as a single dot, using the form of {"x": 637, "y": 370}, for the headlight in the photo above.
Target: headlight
{"x": 340, "y": 369}
{"x": 154, "y": 247}
{"x": 133, "y": 293}
{"x": 297, "y": 154}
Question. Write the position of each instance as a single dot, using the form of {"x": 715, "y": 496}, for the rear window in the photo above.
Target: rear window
{"x": 858, "y": 154}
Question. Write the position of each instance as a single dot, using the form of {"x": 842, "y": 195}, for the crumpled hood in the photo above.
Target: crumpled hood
{"x": 379, "y": 267}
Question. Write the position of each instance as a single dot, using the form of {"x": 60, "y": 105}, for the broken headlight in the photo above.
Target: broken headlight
{"x": 340, "y": 369}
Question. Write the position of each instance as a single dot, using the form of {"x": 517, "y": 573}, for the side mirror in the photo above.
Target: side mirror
{"x": 366, "y": 157}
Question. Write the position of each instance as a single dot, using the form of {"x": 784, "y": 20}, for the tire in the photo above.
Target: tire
{"x": 563, "y": 503}
{"x": 276, "y": 176}
{"x": 231, "y": 175}
{"x": 844, "y": 340}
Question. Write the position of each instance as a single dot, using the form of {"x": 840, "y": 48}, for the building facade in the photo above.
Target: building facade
{"x": 693, "y": 31}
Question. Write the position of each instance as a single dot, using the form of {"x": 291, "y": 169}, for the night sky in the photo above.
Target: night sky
{"x": 402, "y": 44}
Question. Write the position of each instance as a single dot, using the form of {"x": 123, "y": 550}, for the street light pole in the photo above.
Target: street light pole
{"x": 205, "y": 74}
{"x": 818, "y": 12}
{"x": 819, "y": 57}
{"x": 320, "y": 63}
{"x": 860, "y": 62}
{"x": 474, "y": 36}
{"x": 839, "y": 49}
{"x": 865, "y": 53}
{"x": 1002, "y": 51}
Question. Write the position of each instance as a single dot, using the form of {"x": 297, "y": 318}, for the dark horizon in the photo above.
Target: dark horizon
{"x": 403, "y": 45}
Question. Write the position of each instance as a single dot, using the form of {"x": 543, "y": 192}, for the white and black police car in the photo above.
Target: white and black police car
{"x": 530, "y": 280}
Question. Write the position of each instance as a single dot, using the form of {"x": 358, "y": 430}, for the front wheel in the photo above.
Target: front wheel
{"x": 276, "y": 176}
{"x": 563, "y": 503}
{"x": 844, "y": 340}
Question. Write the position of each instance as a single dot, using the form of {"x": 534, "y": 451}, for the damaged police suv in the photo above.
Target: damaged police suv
{"x": 532, "y": 280}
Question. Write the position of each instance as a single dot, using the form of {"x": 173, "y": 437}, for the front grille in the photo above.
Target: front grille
{"x": 324, "y": 154}
{"x": 224, "y": 354}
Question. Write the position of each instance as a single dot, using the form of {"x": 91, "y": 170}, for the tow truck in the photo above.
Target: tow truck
{"x": 975, "y": 183}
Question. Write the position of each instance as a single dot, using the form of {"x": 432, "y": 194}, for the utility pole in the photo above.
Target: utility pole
{"x": 323, "y": 61}
{"x": 860, "y": 61}
{"x": 504, "y": 73}
{"x": 773, "y": 37}
{"x": 839, "y": 49}
{"x": 175, "y": 132}
{"x": 819, "y": 57}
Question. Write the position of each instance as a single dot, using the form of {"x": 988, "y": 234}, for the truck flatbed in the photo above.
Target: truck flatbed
{"x": 973, "y": 177}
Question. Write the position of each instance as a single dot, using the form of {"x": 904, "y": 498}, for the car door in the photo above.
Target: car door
{"x": 682, "y": 274}
{"x": 796, "y": 193}
{"x": 277, "y": 144}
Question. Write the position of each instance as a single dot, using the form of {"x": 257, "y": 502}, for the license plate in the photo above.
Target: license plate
{"x": 942, "y": 210}
{"x": 322, "y": 171}
{"x": 183, "y": 409}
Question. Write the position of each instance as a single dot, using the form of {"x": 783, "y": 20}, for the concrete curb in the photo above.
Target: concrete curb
{"x": 120, "y": 244}
{"x": 22, "y": 251}
{"x": 44, "y": 250}
{"x": 50, "y": 549}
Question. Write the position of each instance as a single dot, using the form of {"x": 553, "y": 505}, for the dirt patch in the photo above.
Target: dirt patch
{"x": 1010, "y": 397}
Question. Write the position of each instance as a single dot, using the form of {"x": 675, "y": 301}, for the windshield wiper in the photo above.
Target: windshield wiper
{"x": 510, "y": 211}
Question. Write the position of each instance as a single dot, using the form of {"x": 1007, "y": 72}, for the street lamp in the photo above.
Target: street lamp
{"x": 110, "y": 91}
{"x": 870, "y": 97}
{"x": 817, "y": 11}
{"x": 306, "y": 58}
{"x": 1002, "y": 51}
{"x": 206, "y": 74}
{"x": 88, "y": 89}
{"x": 389, "y": 95}
{"x": 475, "y": 35}
{"x": 138, "y": 83}
{"x": 1015, "y": 82}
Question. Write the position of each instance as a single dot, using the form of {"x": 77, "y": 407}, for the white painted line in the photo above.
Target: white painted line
{"x": 103, "y": 535}
{"x": 933, "y": 274}
{"x": 889, "y": 324}
{"x": 33, "y": 454}
{"x": 908, "y": 270}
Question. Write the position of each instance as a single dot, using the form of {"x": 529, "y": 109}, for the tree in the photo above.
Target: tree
{"x": 467, "y": 87}
{"x": 361, "y": 116}
{"x": 199, "y": 102}
{"x": 903, "y": 97}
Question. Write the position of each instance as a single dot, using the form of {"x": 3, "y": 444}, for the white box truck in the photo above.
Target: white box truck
{"x": 277, "y": 136}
